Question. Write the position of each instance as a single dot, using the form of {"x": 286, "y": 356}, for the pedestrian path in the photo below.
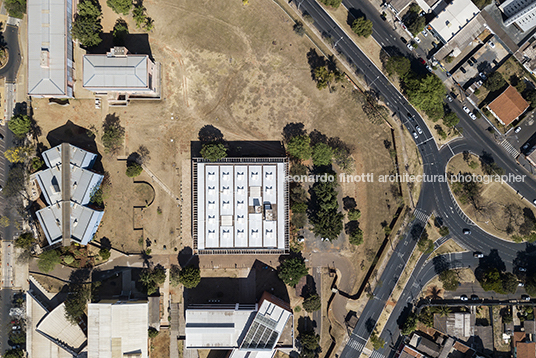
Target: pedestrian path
{"x": 419, "y": 215}
{"x": 510, "y": 148}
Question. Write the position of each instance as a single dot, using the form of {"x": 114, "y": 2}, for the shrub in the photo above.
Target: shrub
{"x": 133, "y": 169}
{"x": 312, "y": 303}
{"x": 354, "y": 214}
{"x": 104, "y": 253}
{"x": 153, "y": 332}
{"x": 48, "y": 260}
{"x": 68, "y": 259}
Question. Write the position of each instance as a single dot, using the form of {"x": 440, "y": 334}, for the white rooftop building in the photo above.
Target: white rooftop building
{"x": 122, "y": 76}
{"x": 118, "y": 329}
{"x": 522, "y": 13}
{"x": 453, "y": 19}
{"x": 240, "y": 206}
{"x": 50, "y": 48}
{"x": 67, "y": 186}
{"x": 248, "y": 330}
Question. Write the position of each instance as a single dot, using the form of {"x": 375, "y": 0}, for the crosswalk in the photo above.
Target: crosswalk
{"x": 421, "y": 216}
{"x": 355, "y": 344}
{"x": 510, "y": 149}
{"x": 376, "y": 354}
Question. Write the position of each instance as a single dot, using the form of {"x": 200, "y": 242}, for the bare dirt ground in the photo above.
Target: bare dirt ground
{"x": 159, "y": 346}
{"x": 499, "y": 206}
{"x": 448, "y": 247}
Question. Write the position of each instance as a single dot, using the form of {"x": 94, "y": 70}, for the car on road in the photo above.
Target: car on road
{"x": 464, "y": 298}
{"x": 409, "y": 47}
{"x": 428, "y": 68}
{"x": 522, "y": 269}
{"x": 482, "y": 75}
{"x": 517, "y": 130}
{"x": 417, "y": 40}
{"x": 419, "y": 130}
{"x": 473, "y": 117}
{"x": 449, "y": 98}
{"x": 525, "y": 297}
{"x": 478, "y": 255}
{"x": 534, "y": 201}
{"x": 415, "y": 135}
{"x": 466, "y": 110}
{"x": 466, "y": 232}
{"x": 474, "y": 297}
{"x": 422, "y": 61}
{"x": 521, "y": 284}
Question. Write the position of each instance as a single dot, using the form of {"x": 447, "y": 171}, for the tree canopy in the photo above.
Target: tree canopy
{"x": 322, "y": 154}
{"x": 450, "y": 280}
{"x": 20, "y": 125}
{"x": 120, "y": 32}
{"x": 333, "y": 3}
{"x": 399, "y": 65}
{"x": 48, "y": 260}
{"x": 495, "y": 82}
{"x": 190, "y": 276}
{"x": 113, "y": 134}
{"x": 362, "y": 27}
{"x": 310, "y": 342}
{"x": 325, "y": 216}
{"x": 410, "y": 325}
{"x": 87, "y": 24}
{"x": 451, "y": 119}
{"x": 312, "y": 303}
{"x": 18, "y": 154}
{"x": 500, "y": 282}
{"x": 426, "y": 93}
{"x": 153, "y": 278}
{"x": 323, "y": 76}
{"x": 16, "y": 8}
{"x": 25, "y": 240}
{"x": 300, "y": 147}
{"x": 213, "y": 151}
{"x": 120, "y": 6}
{"x": 76, "y": 302}
{"x": 133, "y": 169}
{"x": 292, "y": 270}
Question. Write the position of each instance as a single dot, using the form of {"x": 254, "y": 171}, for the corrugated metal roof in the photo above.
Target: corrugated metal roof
{"x": 108, "y": 72}
{"x": 56, "y": 326}
{"x": 47, "y": 55}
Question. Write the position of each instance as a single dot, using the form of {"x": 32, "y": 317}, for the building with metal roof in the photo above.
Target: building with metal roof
{"x": 50, "y": 48}
{"x": 246, "y": 330}
{"x": 522, "y": 13}
{"x": 118, "y": 329}
{"x": 122, "y": 76}
{"x": 67, "y": 186}
{"x": 453, "y": 18}
{"x": 240, "y": 206}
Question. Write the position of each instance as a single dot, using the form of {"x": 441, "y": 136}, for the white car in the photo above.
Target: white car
{"x": 97, "y": 103}
{"x": 409, "y": 46}
{"x": 424, "y": 33}
{"x": 428, "y": 68}
{"x": 473, "y": 117}
{"x": 491, "y": 44}
{"x": 517, "y": 130}
{"x": 419, "y": 130}
{"x": 534, "y": 201}
{"x": 415, "y": 135}
{"x": 464, "y": 298}
{"x": 449, "y": 98}
{"x": 466, "y": 110}
{"x": 417, "y": 40}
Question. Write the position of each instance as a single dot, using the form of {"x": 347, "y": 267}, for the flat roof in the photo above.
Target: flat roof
{"x": 241, "y": 206}
{"x": 454, "y": 18}
{"x": 115, "y": 329}
{"x": 508, "y": 106}
{"x": 122, "y": 72}
{"x": 47, "y": 47}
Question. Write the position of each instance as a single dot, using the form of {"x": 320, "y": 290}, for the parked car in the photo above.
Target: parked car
{"x": 534, "y": 201}
{"x": 97, "y": 103}
{"x": 525, "y": 297}
{"x": 472, "y": 115}
{"x": 417, "y": 40}
{"x": 463, "y": 70}
{"x": 522, "y": 269}
{"x": 474, "y": 297}
{"x": 483, "y": 75}
{"x": 478, "y": 255}
{"x": 466, "y": 232}
{"x": 422, "y": 61}
{"x": 428, "y": 68}
{"x": 464, "y": 298}
{"x": 419, "y": 130}
{"x": 409, "y": 46}
{"x": 491, "y": 44}
{"x": 517, "y": 130}
{"x": 424, "y": 33}
{"x": 449, "y": 98}
{"x": 415, "y": 135}
{"x": 466, "y": 110}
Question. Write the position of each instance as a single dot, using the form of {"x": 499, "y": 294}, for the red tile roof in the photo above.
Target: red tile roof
{"x": 508, "y": 106}
{"x": 526, "y": 350}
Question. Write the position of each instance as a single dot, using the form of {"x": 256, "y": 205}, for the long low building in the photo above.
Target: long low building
{"x": 240, "y": 206}
{"x": 67, "y": 186}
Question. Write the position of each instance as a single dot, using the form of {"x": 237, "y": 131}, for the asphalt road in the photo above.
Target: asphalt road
{"x": 435, "y": 196}
{"x": 11, "y": 38}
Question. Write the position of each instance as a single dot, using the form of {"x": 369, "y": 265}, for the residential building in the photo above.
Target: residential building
{"x": 458, "y": 324}
{"x": 118, "y": 329}
{"x": 240, "y": 206}
{"x": 453, "y": 18}
{"x": 526, "y": 55}
{"x": 67, "y": 186}
{"x": 50, "y": 48}
{"x": 438, "y": 346}
{"x": 520, "y": 13}
{"x": 523, "y": 346}
{"x": 122, "y": 76}
{"x": 253, "y": 331}
{"x": 508, "y": 106}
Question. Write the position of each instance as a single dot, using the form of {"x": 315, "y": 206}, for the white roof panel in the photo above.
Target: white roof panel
{"x": 108, "y": 72}
{"x": 270, "y": 234}
{"x": 453, "y": 18}
{"x": 269, "y": 187}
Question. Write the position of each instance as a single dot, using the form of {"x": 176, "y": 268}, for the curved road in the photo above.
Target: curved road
{"x": 435, "y": 196}
{"x": 11, "y": 38}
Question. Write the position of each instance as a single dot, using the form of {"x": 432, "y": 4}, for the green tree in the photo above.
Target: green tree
{"x": 377, "y": 342}
{"x": 299, "y": 220}
{"x": 300, "y": 147}
{"x": 18, "y": 154}
{"x": 426, "y": 93}
{"x": 417, "y": 25}
{"x": 425, "y": 244}
{"x": 133, "y": 169}
{"x": 120, "y": 32}
{"x": 139, "y": 15}
{"x": 507, "y": 318}
{"x": 153, "y": 332}
{"x": 153, "y": 278}
{"x": 104, "y": 253}
{"x": 509, "y": 282}
{"x": 174, "y": 272}
{"x": 76, "y": 302}
{"x": 451, "y": 119}
{"x": 120, "y": 6}
{"x": 444, "y": 231}
{"x": 14, "y": 353}
{"x": 491, "y": 280}
{"x": 113, "y": 134}
{"x": 325, "y": 217}
{"x": 322, "y": 154}
{"x": 87, "y": 24}
{"x": 299, "y": 28}
{"x": 312, "y": 303}
{"x": 323, "y": 76}
{"x": 495, "y": 82}
{"x": 362, "y": 27}
{"x": 48, "y": 260}
{"x": 190, "y": 276}
{"x": 292, "y": 270}
{"x": 481, "y": 3}
{"x": 333, "y": 3}
{"x": 16, "y": 8}
{"x": 20, "y": 125}
{"x": 310, "y": 341}
{"x": 25, "y": 240}
{"x": 410, "y": 325}
{"x": 426, "y": 317}
{"x": 356, "y": 237}
{"x": 449, "y": 279}
{"x": 213, "y": 151}
{"x": 399, "y": 65}
{"x": 299, "y": 208}
{"x": 353, "y": 214}
{"x": 68, "y": 259}
{"x": 443, "y": 310}
{"x": 37, "y": 163}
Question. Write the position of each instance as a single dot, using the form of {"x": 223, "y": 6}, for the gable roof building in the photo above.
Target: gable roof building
{"x": 508, "y": 106}
{"x": 50, "y": 48}
{"x": 67, "y": 186}
{"x": 246, "y": 330}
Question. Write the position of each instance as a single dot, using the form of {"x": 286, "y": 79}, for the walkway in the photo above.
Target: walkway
{"x": 160, "y": 183}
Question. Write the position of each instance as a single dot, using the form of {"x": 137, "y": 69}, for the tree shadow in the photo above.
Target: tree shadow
{"x": 309, "y": 288}
{"x": 315, "y": 60}
{"x": 370, "y": 324}
{"x": 354, "y": 14}
{"x": 348, "y": 203}
{"x": 440, "y": 264}
{"x": 292, "y": 130}
{"x": 317, "y": 137}
{"x": 105, "y": 243}
{"x": 209, "y": 134}
{"x": 76, "y": 135}
{"x": 186, "y": 257}
{"x": 416, "y": 231}
{"x": 404, "y": 315}
{"x": 492, "y": 260}
{"x": 136, "y": 43}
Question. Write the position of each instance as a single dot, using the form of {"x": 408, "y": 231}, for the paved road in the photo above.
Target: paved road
{"x": 11, "y": 37}
{"x": 435, "y": 196}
